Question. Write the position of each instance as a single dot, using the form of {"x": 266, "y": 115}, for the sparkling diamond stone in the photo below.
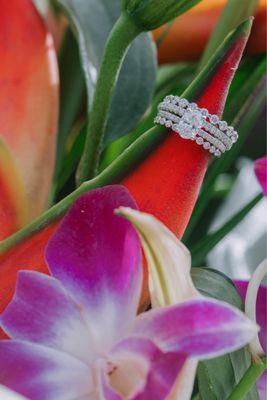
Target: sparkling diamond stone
{"x": 217, "y": 153}
{"x": 230, "y": 131}
{"x": 204, "y": 112}
{"x": 214, "y": 119}
{"x": 199, "y": 141}
{"x": 206, "y": 145}
{"x": 212, "y": 129}
{"x": 169, "y": 99}
{"x": 194, "y": 118}
{"x": 234, "y": 137}
{"x": 185, "y": 130}
{"x": 183, "y": 102}
{"x": 162, "y": 121}
{"x": 193, "y": 106}
{"x": 212, "y": 149}
{"x": 223, "y": 125}
{"x": 168, "y": 124}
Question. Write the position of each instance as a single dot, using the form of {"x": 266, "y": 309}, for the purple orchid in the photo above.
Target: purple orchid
{"x": 75, "y": 334}
{"x": 260, "y": 167}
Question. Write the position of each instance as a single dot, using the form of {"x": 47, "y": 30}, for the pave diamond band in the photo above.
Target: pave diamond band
{"x": 195, "y": 123}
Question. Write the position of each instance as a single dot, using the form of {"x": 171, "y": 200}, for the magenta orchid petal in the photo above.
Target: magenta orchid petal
{"x": 96, "y": 255}
{"x": 262, "y": 386}
{"x": 261, "y": 312}
{"x": 162, "y": 376}
{"x": 42, "y": 311}
{"x": 40, "y": 373}
{"x": 260, "y": 167}
{"x": 143, "y": 371}
{"x": 203, "y": 328}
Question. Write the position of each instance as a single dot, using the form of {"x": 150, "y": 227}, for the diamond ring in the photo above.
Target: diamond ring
{"x": 194, "y": 123}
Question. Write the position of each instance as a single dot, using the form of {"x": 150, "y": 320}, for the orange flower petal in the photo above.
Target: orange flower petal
{"x": 28, "y": 97}
{"x": 13, "y": 202}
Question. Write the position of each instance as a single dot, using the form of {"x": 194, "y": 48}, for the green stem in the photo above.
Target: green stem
{"x": 248, "y": 380}
{"x": 121, "y": 36}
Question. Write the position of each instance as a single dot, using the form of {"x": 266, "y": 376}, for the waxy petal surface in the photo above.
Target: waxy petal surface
{"x": 40, "y": 373}
{"x": 13, "y": 202}
{"x": 202, "y": 328}
{"x": 97, "y": 257}
{"x": 43, "y": 312}
{"x": 260, "y": 166}
{"x": 28, "y": 97}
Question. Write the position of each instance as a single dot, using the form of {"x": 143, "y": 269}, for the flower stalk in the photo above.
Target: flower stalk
{"x": 249, "y": 380}
{"x": 120, "y": 38}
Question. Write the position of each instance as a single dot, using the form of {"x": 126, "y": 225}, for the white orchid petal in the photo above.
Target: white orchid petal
{"x": 169, "y": 261}
{"x": 251, "y": 300}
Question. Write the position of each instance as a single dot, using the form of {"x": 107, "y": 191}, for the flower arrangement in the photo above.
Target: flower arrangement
{"x": 127, "y": 241}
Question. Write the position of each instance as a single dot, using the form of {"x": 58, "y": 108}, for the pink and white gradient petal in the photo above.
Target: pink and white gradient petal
{"x": 97, "y": 257}
{"x": 202, "y": 328}
{"x": 43, "y": 312}
{"x": 41, "y": 373}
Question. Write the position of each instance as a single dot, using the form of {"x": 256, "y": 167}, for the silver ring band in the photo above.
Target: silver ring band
{"x": 192, "y": 122}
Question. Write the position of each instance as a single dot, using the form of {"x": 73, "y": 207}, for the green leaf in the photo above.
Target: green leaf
{"x": 93, "y": 21}
{"x": 72, "y": 89}
{"x": 235, "y": 12}
{"x": 200, "y": 250}
{"x": 218, "y": 377}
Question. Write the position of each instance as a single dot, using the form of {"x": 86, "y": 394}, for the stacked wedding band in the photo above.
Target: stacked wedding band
{"x": 192, "y": 122}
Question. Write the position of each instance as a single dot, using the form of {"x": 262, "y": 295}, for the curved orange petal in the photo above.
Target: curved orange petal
{"x": 28, "y": 97}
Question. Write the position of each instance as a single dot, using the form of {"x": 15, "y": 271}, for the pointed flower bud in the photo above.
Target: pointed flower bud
{"x": 150, "y": 14}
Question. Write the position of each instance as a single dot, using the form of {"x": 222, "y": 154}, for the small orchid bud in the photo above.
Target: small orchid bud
{"x": 150, "y": 14}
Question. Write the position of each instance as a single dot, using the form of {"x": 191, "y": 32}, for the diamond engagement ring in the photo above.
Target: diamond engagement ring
{"x": 194, "y": 123}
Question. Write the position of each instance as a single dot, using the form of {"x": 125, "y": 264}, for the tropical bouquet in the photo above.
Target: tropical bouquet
{"x": 132, "y": 200}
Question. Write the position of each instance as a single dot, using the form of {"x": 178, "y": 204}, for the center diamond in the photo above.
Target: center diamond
{"x": 194, "y": 118}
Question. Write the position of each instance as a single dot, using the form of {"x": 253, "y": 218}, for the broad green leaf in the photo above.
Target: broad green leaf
{"x": 93, "y": 21}
{"x": 72, "y": 89}
{"x": 245, "y": 103}
{"x": 235, "y": 12}
{"x": 218, "y": 377}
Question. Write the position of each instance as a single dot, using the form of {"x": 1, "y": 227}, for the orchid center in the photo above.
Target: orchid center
{"x": 127, "y": 376}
